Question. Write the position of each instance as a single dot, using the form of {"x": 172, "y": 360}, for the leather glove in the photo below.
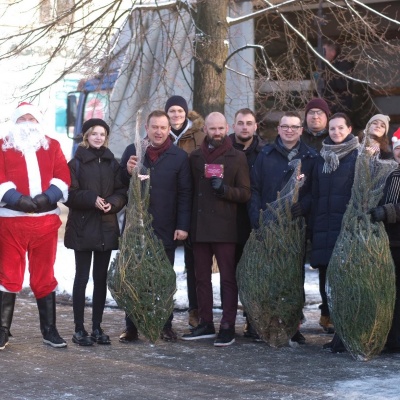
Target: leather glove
{"x": 377, "y": 214}
{"x": 218, "y": 185}
{"x": 296, "y": 210}
{"x": 42, "y": 201}
{"x": 26, "y": 204}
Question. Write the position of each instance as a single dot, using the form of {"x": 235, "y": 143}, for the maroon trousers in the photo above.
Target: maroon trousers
{"x": 225, "y": 255}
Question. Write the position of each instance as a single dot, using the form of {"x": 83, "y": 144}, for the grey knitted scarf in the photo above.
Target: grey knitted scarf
{"x": 333, "y": 153}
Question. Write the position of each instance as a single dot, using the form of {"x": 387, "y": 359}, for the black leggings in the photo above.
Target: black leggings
{"x": 83, "y": 260}
{"x": 322, "y": 290}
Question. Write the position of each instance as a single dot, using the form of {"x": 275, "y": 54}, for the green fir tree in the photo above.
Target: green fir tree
{"x": 269, "y": 273}
{"x": 141, "y": 278}
{"x": 361, "y": 277}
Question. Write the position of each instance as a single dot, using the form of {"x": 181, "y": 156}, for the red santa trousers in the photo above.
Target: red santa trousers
{"x": 37, "y": 236}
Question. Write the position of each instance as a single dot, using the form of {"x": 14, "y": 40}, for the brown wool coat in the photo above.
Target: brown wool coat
{"x": 214, "y": 217}
{"x": 194, "y": 136}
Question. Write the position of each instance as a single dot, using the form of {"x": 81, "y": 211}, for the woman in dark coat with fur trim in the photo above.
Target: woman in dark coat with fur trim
{"x": 96, "y": 195}
{"x": 331, "y": 191}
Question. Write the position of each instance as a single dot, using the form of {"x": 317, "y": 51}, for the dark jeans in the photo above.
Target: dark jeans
{"x": 83, "y": 260}
{"x": 129, "y": 323}
{"x": 322, "y": 281}
{"x": 225, "y": 255}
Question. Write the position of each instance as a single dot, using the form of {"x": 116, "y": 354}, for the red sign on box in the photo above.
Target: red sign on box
{"x": 211, "y": 170}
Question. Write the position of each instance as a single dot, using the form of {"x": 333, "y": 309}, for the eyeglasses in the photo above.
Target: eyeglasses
{"x": 315, "y": 112}
{"x": 292, "y": 127}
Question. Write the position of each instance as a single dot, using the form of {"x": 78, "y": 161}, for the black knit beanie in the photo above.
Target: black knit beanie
{"x": 176, "y": 101}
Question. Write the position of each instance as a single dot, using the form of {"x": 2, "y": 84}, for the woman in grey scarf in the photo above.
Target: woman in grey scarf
{"x": 332, "y": 182}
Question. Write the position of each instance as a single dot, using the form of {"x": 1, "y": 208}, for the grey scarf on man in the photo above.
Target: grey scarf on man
{"x": 333, "y": 153}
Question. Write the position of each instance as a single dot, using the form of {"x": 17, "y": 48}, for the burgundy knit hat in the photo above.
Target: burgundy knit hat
{"x": 318, "y": 103}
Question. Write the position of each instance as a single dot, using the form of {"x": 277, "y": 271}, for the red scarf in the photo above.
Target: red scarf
{"x": 154, "y": 153}
{"x": 212, "y": 153}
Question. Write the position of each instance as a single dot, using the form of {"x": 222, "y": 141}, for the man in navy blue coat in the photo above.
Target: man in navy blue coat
{"x": 170, "y": 195}
{"x": 271, "y": 172}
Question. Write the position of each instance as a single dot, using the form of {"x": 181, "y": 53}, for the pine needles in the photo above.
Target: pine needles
{"x": 360, "y": 276}
{"x": 141, "y": 278}
{"x": 269, "y": 273}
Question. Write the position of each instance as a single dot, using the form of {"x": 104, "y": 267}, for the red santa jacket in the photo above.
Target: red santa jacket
{"x": 32, "y": 173}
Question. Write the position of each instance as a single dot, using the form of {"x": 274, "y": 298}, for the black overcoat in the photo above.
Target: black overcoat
{"x": 170, "y": 191}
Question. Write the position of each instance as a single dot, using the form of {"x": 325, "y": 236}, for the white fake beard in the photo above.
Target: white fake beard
{"x": 25, "y": 136}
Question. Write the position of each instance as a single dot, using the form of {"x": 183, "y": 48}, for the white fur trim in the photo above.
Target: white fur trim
{"x": 62, "y": 186}
{"x": 3, "y": 289}
{"x": 7, "y": 213}
{"x": 395, "y": 139}
{"x": 4, "y": 188}
{"x": 33, "y": 170}
{"x": 27, "y": 109}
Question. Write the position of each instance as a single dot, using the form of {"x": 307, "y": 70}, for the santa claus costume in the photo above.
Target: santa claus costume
{"x": 34, "y": 176}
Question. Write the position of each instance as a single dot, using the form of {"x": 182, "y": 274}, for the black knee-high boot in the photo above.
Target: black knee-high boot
{"x": 47, "y": 314}
{"x": 7, "y": 303}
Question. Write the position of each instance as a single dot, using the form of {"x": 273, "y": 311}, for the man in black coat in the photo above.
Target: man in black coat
{"x": 245, "y": 139}
{"x": 170, "y": 194}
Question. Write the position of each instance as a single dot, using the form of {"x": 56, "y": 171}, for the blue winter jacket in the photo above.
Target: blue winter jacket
{"x": 270, "y": 174}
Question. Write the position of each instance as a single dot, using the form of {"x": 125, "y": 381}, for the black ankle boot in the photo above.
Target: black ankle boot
{"x": 82, "y": 338}
{"x": 99, "y": 336}
{"x": 7, "y": 303}
{"x": 47, "y": 313}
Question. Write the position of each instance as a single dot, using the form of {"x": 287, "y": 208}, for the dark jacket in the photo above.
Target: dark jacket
{"x": 271, "y": 172}
{"x": 314, "y": 141}
{"x": 338, "y": 89}
{"x": 331, "y": 193}
{"x": 170, "y": 192}
{"x": 89, "y": 228}
{"x": 214, "y": 217}
{"x": 391, "y": 198}
{"x": 243, "y": 220}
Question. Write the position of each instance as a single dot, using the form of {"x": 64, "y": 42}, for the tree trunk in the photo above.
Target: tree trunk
{"x": 210, "y": 53}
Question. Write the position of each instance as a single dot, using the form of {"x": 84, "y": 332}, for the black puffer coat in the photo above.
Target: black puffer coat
{"x": 331, "y": 193}
{"x": 92, "y": 175}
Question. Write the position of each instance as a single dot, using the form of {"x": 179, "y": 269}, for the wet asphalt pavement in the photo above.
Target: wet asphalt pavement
{"x": 184, "y": 370}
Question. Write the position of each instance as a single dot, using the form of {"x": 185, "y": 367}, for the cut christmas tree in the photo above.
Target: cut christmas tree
{"x": 360, "y": 275}
{"x": 269, "y": 273}
{"x": 141, "y": 278}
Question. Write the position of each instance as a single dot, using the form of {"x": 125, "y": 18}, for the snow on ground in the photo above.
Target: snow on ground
{"x": 65, "y": 272}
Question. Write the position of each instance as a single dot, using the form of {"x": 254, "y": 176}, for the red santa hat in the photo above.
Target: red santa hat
{"x": 396, "y": 139}
{"x": 27, "y": 108}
